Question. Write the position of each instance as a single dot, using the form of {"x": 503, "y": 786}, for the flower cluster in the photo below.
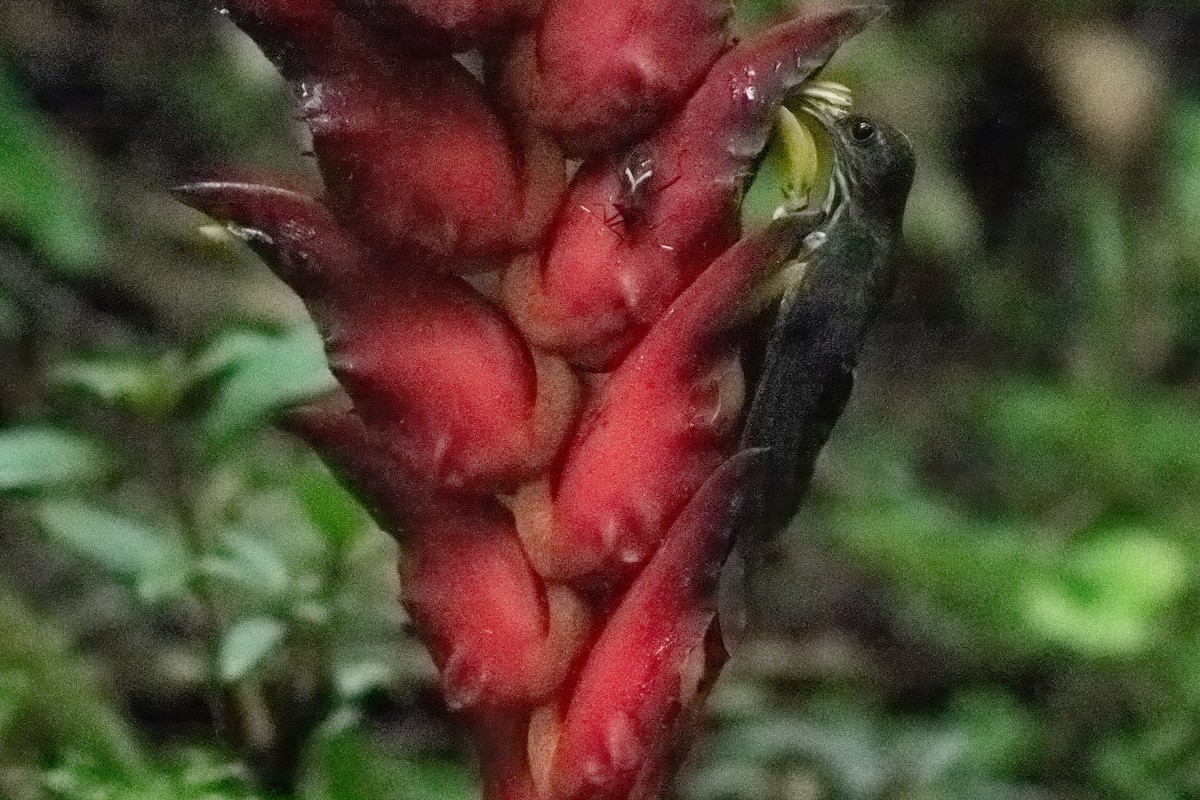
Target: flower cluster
{"x": 529, "y": 272}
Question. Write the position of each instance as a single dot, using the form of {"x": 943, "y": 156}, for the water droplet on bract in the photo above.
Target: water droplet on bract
{"x": 706, "y": 412}
{"x": 637, "y": 173}
{"x": 312, "y": 97}
{"x": 596, "y": 773}
{"x": 472, "y": 61}
{"x": 745, "y": 144}
{"x": 631, "y": 289}
{"x": 441, "y": 447}
{"x": 630, "y": 554}
{"x": 610, "y": 533}
{"x": 625, "y": 748}
{"x": 691, "y": 672}
{"x": 750, "y": 90}
{"x": 462, "y": 681}
{"x": 717, "y": 397}
{"x": 250, "y": 235}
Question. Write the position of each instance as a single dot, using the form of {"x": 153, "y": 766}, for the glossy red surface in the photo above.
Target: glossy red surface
{"x": 553, "y": 440}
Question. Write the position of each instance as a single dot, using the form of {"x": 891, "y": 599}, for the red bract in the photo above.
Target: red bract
{"x": 650, "y": 663}
{"x": 500, "y": 637}
{"x": 415, "y": 158}
{"x": 417, "y": 162}
{"x": 442, "y": 25}
{"x": 553, "y": 438}
{"x": 681, "y": 388}
{"x": 598, "y": 76}
{"x": 638, "y": 226}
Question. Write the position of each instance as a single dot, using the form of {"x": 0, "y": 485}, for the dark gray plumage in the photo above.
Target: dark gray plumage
{"x": 807, "y": 372}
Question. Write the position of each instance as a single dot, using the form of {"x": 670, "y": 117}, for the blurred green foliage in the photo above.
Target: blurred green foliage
{"x": 45, "y": 195}
{"x": 992, "y": 593}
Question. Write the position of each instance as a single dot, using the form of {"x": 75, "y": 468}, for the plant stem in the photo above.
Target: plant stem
{"x": 241, "y": 713}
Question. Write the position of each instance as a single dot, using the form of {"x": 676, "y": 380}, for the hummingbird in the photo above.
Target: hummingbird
{"x": 824, "y": 315}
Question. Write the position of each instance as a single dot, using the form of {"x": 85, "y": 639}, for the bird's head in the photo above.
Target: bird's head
{"x": 873, "y": 162}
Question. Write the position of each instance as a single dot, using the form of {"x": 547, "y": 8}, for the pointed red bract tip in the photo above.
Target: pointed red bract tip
{"x": 417, "y": 162}
{"x": 681, "y": 388}
{"x": 498, "y": 639}
{"x": 294, "y": 234}
{"x": 553, "y": 439}
{"x": 354, "y": 453}
{"x": 650, "y": 662}
{"x": 635, "y": 230}
{"x": 300, "y": 36}
{"x": 446, "y": 380}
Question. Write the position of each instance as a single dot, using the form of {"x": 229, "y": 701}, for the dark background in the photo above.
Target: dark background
{"x": 992, "y": 593}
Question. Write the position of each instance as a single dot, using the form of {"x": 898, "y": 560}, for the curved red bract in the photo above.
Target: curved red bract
{"x": 542, "y": 382}
{"x": 443, "y": 25}
{"x": 600, "y": 76}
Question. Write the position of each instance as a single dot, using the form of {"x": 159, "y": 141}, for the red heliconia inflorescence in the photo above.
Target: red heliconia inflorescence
{"x": 541, "y": 358}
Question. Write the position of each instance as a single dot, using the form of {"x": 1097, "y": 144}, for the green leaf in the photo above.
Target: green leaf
{"x": 15, "y": 691}
{"x": 331, "y": 509}
{"x": 1004, "y": 737}
{"x": 350, "y": 766}
{"x": 247, "y": 644}
{"x": 356, "y": 678}
{"x": 144, "y": 385}
{"x": 250, "y": 563}
{"x": 166, "y": 581}
{"x": 44, "y": 193}
{"x": 38, "y": 457}
{"x": 1183, "y": 174}
{"x": 67, "y": 707}
{"x": 239, "y": 98}
{"x": 963, "y": 576}
{"x": 193, "y": 774}
{"x": 282, "y": 371}
{"x": 126, "y": 547}
{"x": 1128, "y": 450}
{"x": 1111, "y": 595}
{"x": 225, "y": 351}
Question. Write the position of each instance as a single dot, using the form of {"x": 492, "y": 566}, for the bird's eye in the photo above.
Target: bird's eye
{"x": 861, "y": 130}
